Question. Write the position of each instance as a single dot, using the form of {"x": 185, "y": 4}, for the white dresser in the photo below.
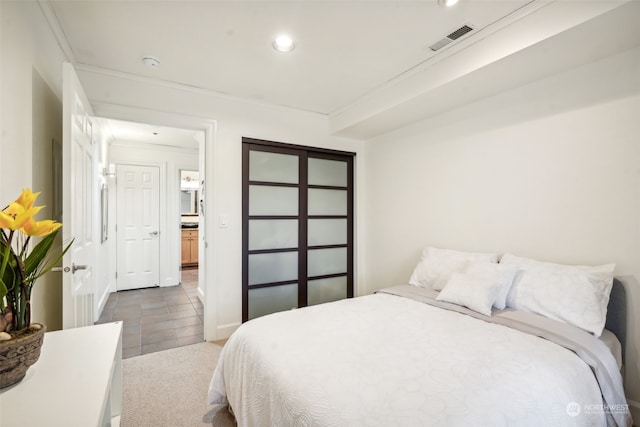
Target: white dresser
{"x": 76, "y": 382}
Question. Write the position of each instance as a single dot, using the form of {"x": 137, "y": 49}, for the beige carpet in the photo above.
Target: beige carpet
{"x": 169, "y": 388}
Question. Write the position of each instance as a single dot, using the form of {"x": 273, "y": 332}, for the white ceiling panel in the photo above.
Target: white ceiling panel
{"x": 344, "y": 49}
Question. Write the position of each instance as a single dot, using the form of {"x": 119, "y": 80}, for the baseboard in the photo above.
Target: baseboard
{"x": 201, "y": 295}
{"x": 225, "y": 331}
{"x": 102, "y": 301}
{"x": 634, "y": 408}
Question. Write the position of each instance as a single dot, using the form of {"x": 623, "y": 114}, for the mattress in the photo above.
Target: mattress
{"x": 389, "y": 359}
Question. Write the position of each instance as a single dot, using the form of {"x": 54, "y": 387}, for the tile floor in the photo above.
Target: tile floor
{"x": 157, "y": 318}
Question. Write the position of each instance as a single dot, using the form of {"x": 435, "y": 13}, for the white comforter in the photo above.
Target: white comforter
{"x": 384, "y": 360}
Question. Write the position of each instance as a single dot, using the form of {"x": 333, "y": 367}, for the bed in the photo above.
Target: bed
{"x": 407, "y": 356}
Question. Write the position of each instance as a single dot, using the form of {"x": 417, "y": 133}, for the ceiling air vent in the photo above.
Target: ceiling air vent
{"x": 465, "y": 29}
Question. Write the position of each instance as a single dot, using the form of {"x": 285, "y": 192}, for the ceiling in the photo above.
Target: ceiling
{"x": 365, "y": 64}
{"x": 344, "y": 49}
{"x": 119, "y": 131}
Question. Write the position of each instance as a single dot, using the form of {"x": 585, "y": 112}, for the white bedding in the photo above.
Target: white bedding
{"x": 384, "y": 360}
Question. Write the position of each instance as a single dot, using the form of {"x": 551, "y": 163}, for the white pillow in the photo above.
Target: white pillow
{"x": 574, "y": 294}
{"x": 436, "y": 266}
{"x": 498, "y": 273}
{"x": 475, "y": 292}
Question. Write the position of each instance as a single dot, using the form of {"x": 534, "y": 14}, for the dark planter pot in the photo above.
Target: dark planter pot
{"x": 18, "y": 353}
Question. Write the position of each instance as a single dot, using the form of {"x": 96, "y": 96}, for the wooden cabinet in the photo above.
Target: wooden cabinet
{"x": 189, "y": 248}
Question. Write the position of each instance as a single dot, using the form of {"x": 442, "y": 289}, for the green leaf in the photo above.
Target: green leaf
{"x": 7, "y": 275}
{"x": 8, "y": 280}
{"x": 3, "y": 290}
{"x": 39, "y": 252}
{"x": 54, "y": 262}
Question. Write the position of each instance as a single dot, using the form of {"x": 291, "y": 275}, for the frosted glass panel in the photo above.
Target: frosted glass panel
{"x": 269, "y": 268}
{"x": 273, "y": 299}
{"x": 327, "y": 202}
{"x": 266, "y": 200}
{"x": 273, "y": 167}
{"x": 327, "y": 232}
{"x": 326, "y": 261}
{"x": 273, "y": 234}
{"x": 327, "y": 172}
{"x": 326, "y": 290}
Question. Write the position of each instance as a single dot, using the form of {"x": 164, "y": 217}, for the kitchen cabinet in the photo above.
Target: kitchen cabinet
{"x": 189, "y": 248}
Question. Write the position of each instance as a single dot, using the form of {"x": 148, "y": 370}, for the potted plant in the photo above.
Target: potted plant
{"x": 21, "y": 264}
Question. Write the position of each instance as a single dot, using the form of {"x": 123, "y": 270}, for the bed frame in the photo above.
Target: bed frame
{"x": 617, "y": 313}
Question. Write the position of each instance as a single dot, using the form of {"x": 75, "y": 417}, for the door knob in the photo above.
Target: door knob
{"x": 153, "y": 233}
{"x": 75, "y": 267}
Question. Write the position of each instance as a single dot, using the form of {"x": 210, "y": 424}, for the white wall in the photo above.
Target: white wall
{"x": 170, "y": 160}
{"x": 30, "y": 91}
{"x": 22, "y": 50}
{"x": 550, "y": 170}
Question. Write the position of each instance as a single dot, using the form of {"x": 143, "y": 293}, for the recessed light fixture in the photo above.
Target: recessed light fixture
{"x": 284, "y": 43}
{"x": 151, "y": 62}
{"x": 447, "y": 3}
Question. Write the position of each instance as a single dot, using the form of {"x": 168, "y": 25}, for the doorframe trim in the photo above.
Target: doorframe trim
{"x": 208, "y": 148}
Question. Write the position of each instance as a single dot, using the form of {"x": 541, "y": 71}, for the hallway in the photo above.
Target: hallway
{"x": 157, "y": 318}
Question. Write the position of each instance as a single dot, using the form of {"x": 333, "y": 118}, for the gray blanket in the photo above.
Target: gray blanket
{"x": 589, "y": 348}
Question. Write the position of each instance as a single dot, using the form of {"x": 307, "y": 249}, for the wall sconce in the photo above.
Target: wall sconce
{"x": 110, "y": 171}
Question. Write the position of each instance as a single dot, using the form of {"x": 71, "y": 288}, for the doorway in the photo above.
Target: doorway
{"x": 206, "y": 148}
{"x": 190, "y": 199}
{"x": 168, "y": 311}
{"x": 103, "y": 259}
{"x": 138, "y": 147}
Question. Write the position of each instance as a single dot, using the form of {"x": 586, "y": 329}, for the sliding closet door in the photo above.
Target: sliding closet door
{"x": 297, "y": 227}
{"x": 329, "y": 224}
{"x": 271, "y": 231}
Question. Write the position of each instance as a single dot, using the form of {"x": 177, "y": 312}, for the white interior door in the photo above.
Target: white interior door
{"x": 138, "y": 218}
{"x": 77, "y": 204}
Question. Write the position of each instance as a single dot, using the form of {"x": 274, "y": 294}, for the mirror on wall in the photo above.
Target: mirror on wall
{"x": 189, "y": 185}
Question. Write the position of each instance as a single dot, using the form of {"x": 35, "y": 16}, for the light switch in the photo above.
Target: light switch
{"x": 223, "y": 221}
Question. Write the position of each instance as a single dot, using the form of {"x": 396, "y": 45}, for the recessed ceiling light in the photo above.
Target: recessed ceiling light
{"x": 150, "y": 61}
{"x": 447, "y": 3}
{"x": 283, "y": 43}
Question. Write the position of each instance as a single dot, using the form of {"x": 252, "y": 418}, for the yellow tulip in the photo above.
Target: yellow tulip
{"x": 27, "y": 198}
{"x": 6, "y": 221}
{"x": 40, "y": 228}
{"x": 15, "y": 216}
{"x": 14, "y": 209}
